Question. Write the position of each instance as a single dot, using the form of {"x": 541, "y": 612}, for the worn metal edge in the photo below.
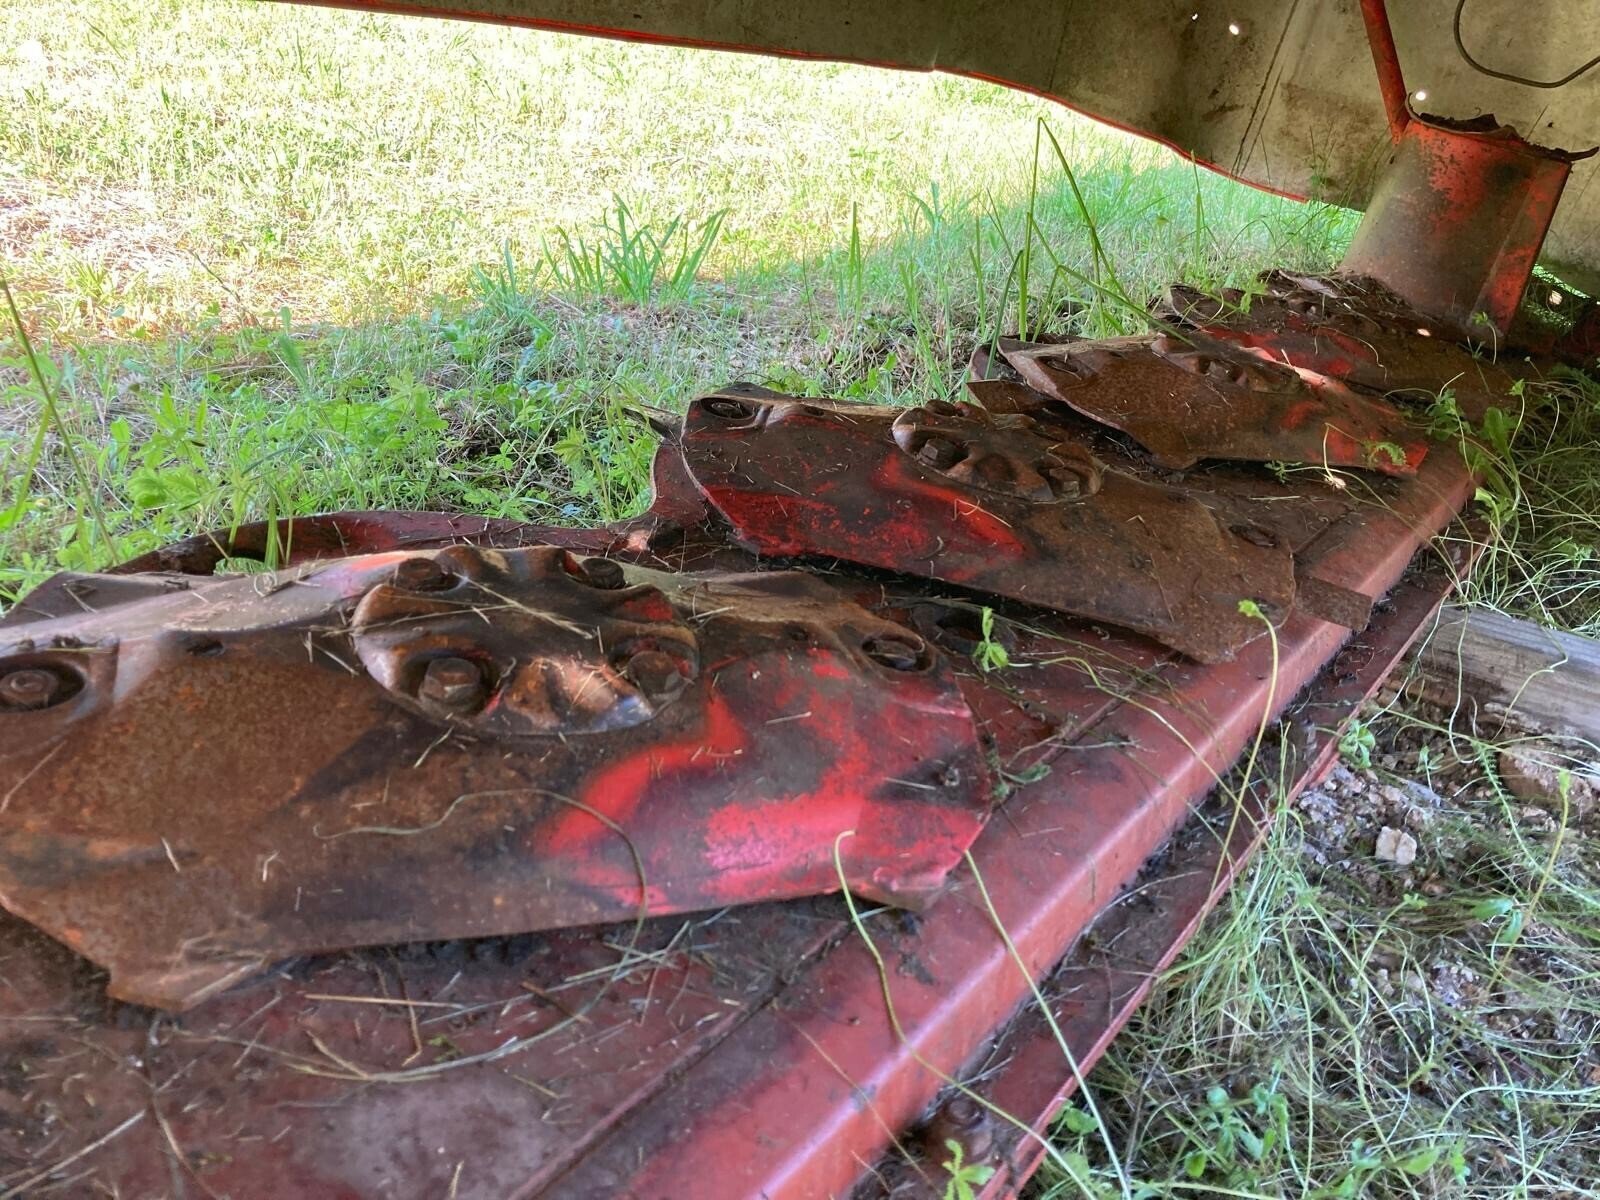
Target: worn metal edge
{"x": 1095, "y": 993}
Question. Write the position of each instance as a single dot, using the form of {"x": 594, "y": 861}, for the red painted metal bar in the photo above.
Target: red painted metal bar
{"x": 1391, "y": 80}
{"x": 1095, "y": 991}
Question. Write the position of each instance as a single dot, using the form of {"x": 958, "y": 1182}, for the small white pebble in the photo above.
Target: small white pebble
{"x": 1396, "y": 846}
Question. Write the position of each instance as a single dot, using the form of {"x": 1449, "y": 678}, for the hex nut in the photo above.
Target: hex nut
{"x": 655, "y": 674}
{"x": 456, "y": 684}
{"x": 28, "y": 689}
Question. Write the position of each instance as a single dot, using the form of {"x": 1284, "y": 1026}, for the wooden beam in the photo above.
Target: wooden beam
{"x": 1537, "y": 679}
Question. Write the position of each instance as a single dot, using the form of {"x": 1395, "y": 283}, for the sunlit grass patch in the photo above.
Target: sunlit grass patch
{"x": 280, "y": 260}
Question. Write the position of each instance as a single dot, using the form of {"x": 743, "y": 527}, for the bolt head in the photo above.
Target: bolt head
{"x": 964, "y": 1112}
{"x": 964, "y": 1121}
{"x": 420, "y": 575}
{"x": 729, "y": 408}
{"x": 29, "y": 688}
{"x": 602, "y": 573}
{"x": 456, "y": 684}
{"x": 898, "y": 652}
{"x": 939, "y": 453}
{"x": 1256, "y": 536}
{"x": 1067, "y": 484}
{"x": 655, "y": 674}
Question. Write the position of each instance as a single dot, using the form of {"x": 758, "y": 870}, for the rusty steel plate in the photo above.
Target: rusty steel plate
{"x": 1190, "y": 397}
{"x": 675, "y": 505}
{"x": 202, "y": 777}
{"x": 1250, "y": 503}
{"x": 995, "y": 503}
{"x": 609, "y": 1062}
{"x": 1348, "y": 329}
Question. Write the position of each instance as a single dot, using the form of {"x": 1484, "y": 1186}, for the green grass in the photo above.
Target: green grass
{"x": 277, "y": 260}
{"x": 1541, "y": 501}
{"x": 374, "y": 261}
{"x": 1346, "y": 1028}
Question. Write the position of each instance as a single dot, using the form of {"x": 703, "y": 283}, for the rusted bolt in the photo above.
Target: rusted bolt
{"x": 1196, "y": 362}
{"x": 29, "y": 688}
{"x": 601, "y": 573}
{"x": 656, "y": 674}
{"x": 939, "y": 453}
{"x": 421, "y": 575}
{"x": 456, "y": 684}
{"x": 729, "y": 409}
{"x": 1066, "y": 483}
{"x": 897, "y": 652}
{"x": 995, "y": 470}
{"x": 964, "y": 1121}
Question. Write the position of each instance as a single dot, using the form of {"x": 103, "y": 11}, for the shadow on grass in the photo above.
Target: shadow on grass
{"x": 513, "y": 401}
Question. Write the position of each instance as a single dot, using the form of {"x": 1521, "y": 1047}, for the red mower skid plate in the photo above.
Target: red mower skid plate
{"x": 463, "y": 743}
{"x": 994, "y": 502}
{"x": 741, "y": 1054}
{"x": 1348, "y": 329}
{"x": 1188, "y": 397}
{"x": 836, "y": 1077}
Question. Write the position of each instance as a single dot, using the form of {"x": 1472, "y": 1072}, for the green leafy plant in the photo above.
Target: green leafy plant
{"x": 1357, "y": 743}
{"x": 1377, "y": 453}
{"x": 964, "y": 1176}
{"x": 989, "y": 654}
{"x": 1505, "y": 915}
{"x": 636, "y": 260}
{"x": 1237, "y": 1130}
{"x": 1444, "y": 419}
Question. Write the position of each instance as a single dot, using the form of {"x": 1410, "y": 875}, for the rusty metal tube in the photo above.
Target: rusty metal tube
{"x": 1456, "y": 221}
{"x": 1391, "y": 80}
